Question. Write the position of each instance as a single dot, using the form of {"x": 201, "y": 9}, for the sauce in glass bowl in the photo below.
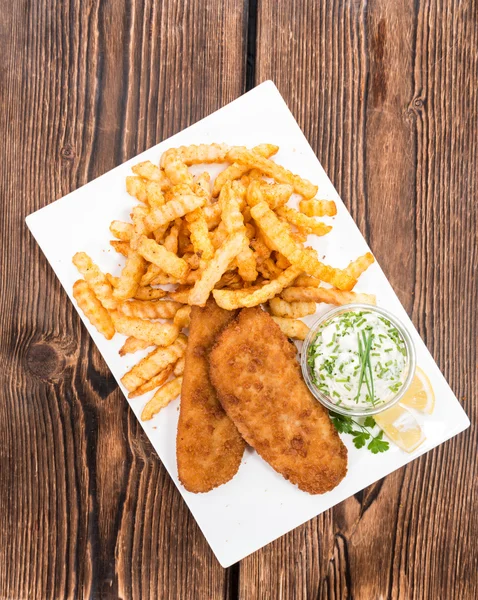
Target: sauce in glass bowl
{"x": 358, "y": 359}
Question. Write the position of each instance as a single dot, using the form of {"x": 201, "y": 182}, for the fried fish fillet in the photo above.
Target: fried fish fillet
{"x": 209, "y": 448}
{"x": 254, "y": 370}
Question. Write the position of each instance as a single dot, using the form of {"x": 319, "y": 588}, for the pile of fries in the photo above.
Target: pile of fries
{"x": 235, "y": 239}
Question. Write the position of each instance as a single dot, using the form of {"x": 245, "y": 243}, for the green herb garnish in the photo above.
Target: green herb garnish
{"x": 366, "y": 375}
{"x": 362, "y": 435}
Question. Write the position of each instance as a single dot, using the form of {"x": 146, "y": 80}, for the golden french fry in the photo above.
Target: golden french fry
{"x": 159, "y": 334}
{"x": 149, "y": 192}
{"x": 182, "y": 316}
{"x": 181, "y": 189}
{"x": 171, "y": 240}
{"x": 165, "y": 260}
{"x": 229, "y": 279}
{"x": 240, "y": 192}
{"x": 162, "y": 398}
{"x": 299, "y": 235}
{"x": 121, "y": 230}
{"x": 246, "y": 298}
{"x": 191, "y": 277}
{"x": 318, "y": 208}
{"x": 246, "y": 263}
{"x": 132, "y": 345}
{"x": 307, "y": 281}
{"x": 202, "y": 185}
{"x": 112, "y": 279}
{"x": 96, "y": 280}
{"x": 156, "y": 361}
{"x": 147, "y": 170}
{"x": 150, "y": 309}
{"x": 154, "y": 194}
{"x": 307, "y": 224}
{"x": 272, "y": 169}
{"x": 138, "y": 215}
{"x": 361, "y": 264}
{"x": 192, "y": 260}
{"x": 179, "y": 367}
{"x": 276, "y": 194}
{"x": 175, "y": 208}
{"x": 281, "y": 261}
{"x": 230, "y": 210}
{"x": 121, "y": 247}
{"x": 292, "y": 310}
{"x": 130, "y": 277}
{"x": 92, "y": 308}
{"x": 306, "y": 259}
{"x": 203, "y": 153}
{"x": 255, "y": 193}
{"x": 155, "y": 382}
{"x": 268, "y": 269}
{"x": 250, "y": 230}
{"x": 180, "y": 295}
{"x": 219, "y": 235}
{"x": 151, "y": 272}
{"x": 163, "y": 279}
{"x": 261, "y": 250}
{"x": 215, "y": 268}
{"x": 292, "y": 328}
{"x": 149, "y": 293}
{"x": 253, "y": 174}
{"x": 212, "y": 214}
{"x": 235, "y": 171}
{"x": 329, "y": 296}
{"x": 160, "y": 233}
{"x": 175, "y": 168}
{"x": 234, "y": 222}
{"x": 199, "y": 231}
{"x": 136, "y": 186}
{"x": 256, "y": 173}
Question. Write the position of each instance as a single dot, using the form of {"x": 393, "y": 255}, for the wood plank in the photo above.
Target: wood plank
{"x": 86, "y": 508}
{"x": 386, "y": 93}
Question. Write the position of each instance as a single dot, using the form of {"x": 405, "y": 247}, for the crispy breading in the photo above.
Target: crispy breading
{"x": 255, "y": 372}
{"x": 209, "y": 448}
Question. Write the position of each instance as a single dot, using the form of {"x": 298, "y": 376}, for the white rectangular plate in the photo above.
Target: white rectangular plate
{"x": 258, "y": 505}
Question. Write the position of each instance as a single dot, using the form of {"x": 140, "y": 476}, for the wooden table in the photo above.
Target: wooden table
{"x": 386, "y": 93}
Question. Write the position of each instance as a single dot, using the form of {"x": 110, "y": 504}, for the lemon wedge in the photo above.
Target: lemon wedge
{"x": 401, "y": 427}
{"x": 420, "y": 395}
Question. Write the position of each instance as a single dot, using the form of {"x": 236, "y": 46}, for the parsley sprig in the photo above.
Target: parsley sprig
{"x": 362, "y": 435}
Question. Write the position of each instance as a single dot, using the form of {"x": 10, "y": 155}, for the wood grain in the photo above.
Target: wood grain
{"x": 386, "y": 92}
{"x": 86, "y": 508}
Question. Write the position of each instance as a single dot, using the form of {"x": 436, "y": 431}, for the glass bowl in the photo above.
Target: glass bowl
{"x": 359, "y": 411}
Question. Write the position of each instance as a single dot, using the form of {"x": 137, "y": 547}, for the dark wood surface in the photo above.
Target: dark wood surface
{"x": 386, "y": 93}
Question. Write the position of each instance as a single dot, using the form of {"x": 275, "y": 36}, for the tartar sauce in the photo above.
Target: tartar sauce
{"x": 358, "y": 359}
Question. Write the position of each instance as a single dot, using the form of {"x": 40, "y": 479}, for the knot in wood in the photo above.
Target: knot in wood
{"x": 418, "y": 103}
{"x": 44, "y": 361}
{"x": 67, "y": 152}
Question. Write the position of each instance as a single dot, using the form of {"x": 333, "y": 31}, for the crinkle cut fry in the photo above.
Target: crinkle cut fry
{"x": 327, "y": 295}
{"x": 232, "y": 299}
{"x": 236, "y": 171}
{"x": 92, "y": 308}
{"x": 153, "y": 363}
{"x": 282, "y": 240}
{"x": 274, "y": 170}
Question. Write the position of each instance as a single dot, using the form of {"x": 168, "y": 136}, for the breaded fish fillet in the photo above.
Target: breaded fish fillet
{"x": 209, "y": 448}
{"x": 254, "y": 370}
